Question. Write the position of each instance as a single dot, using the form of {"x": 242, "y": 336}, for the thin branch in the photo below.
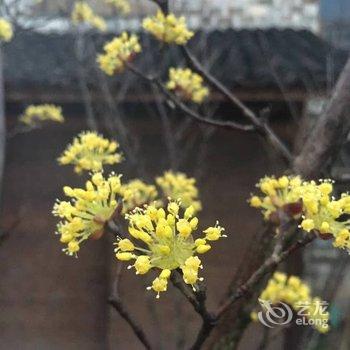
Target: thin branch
{"x": 184, "y": 108}
{"x": 177, "y": 281}
{"x": 269, "y": 264}
{"x": 169, "y": 137}
{"x": 248, "y": 286}
{"x": 163, "y": 5}
{"x": 116, "y": 302}
{"x": 82, "y": 80}
{"x": 328, "y": 134}
{"x": 265, "y": 339}
{"x": 261, "y": 126}
{"x": 5, "y": 233}
{"x": 258, "y": 124}
{"x": 2, "y": 126}
{"x": 20, "y": 129}
{"x": 197, "y": 299}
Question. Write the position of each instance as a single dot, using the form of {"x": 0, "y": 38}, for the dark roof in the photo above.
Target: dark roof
{"x": 246, "y": 59}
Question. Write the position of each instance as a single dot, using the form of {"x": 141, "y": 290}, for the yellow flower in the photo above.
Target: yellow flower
{"x": 342, "y": 239}
{"x": 83, "y": 13}
{"x": 326, "y": 188}
{"x": 117, "y": 52}
{"x": 190, "y": 270}
{"x": 187, "y": 85}
{"x": 90, "y": 151}
{"x": 137, "y": 193}
{"x": 125, "y": 245}
{"x": 178, "y": 186}
{"x": 325, "y": 227}
{"x": 6, "y": 31}
{"x": 85, "y": 215}
{"x": 159, "y": 285}
{"x": 214, "y": 233}
{"x": 142, "y": 264}
{"x": 255, "y": 202}
{"x": 125, "y": 256}
{"x": 283, "y": 181}
{"x": 121, "y": 5}
{"x": 170, "y": 29}
{"x": 310, "y": 200}
{"x": 294, "y": 292}
{"x": 308, "y": 225}
{"x": 254, "y": 316}
{"x": 33, "y": 115}
{"x": 167, "y": 244}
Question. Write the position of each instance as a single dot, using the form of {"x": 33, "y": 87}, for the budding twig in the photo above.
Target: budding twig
{"x": 184, "y": 108}
{"x": 244, "y": 290}
{"x": 197, "y": 299}
{"x": 116, "y": 302}
{"x": 163, "y": 4}
{"x": 260, "y": 124}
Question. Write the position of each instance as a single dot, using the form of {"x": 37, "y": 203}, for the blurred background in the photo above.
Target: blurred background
{"x": 281, "y": 58}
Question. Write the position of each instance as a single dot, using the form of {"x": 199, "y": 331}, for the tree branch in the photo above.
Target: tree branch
{"x": 243, "y": 290}
{"x": 261, "y": 126}
{"x": 116, "y": 302}
{"x": 326, "y": 136}
{"x": 163, "y": 5}
{"x": 270, "y": 263}
{"x": 197, "y": 299}
{"x": 329, "y": 132}
{"x": 2, "y": 126}
{"x": 184, "y": 108}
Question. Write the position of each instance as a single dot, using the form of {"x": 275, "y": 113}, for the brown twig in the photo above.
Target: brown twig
{"x": 184, "y": 108}
{"x": 2, "y": 125}
{"x": 177, "y": 281}
{"x": 258, "y": 124}
{"x": 269, "y": 264}
{"x": 116, "y": 302}
{"x": 241, "y": 317}
{"x": 20, "y": 129}
{"x": 196, "y": 299}
{"x": 261, "y": 125}
{"x": 328, "y": 134}
{"x": 5, "y": 233}
{"x": 163, "y": 5}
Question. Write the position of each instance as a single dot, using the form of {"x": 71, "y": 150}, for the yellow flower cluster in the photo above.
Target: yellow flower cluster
{"x": 83, "y": 13}
{"x": 187, "y": 84}
{"x": 280, "y": 193}
{"x": 90, "y": 151}
{"x": 121, "y": 5}
{"x": 169, "y": 29}
{"x": 85, "y": 215}
{"x": 167, "y": 243}
{"x": 33, "y": 115}
{"x": 120, "y": 50}
{"x": 294, "y": 292}
{"x": 178, "y": 186}
{"x": 312, "y": 201}
{"x": 6, "y": 31}
{"x": 137, "y": 193}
